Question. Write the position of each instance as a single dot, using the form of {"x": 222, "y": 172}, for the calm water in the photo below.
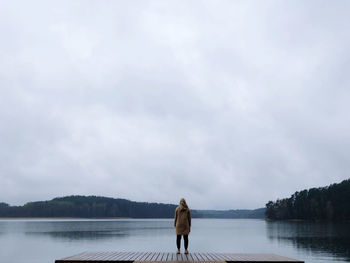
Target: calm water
{"x": 43, "y": 241}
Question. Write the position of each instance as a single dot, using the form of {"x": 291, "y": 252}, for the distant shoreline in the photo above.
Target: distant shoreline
{"x": 286, "y": 220}
{"x": 23, "y": 217}
{"x": 307, "y": 220}
{"x": 99, "y": 207}
{"x": 104, "y": 218}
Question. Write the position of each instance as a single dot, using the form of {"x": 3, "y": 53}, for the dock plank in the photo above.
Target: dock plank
{"x": 166, "y": 256}
{"x": 186, "y": 257}
{"x": 114, "y": 255}
{"x": 144, "y": 255}
{"x": 156, "y": 257}
{"x": 195, "y": 257}
{"x": 131, "y": 257}
{"x": 200, "y": 257}
{"x": 149, "y": 256}
{"x": 137, "y": 256}
{"x": 211, "y": 257}
{"x": 140, "y": 257}
{"x": 217, "y": 256}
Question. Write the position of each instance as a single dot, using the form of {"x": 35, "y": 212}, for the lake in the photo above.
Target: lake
{"x": 44, "y": 240}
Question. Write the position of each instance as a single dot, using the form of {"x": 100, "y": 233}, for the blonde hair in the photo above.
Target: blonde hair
{"x": 183, "y": 202}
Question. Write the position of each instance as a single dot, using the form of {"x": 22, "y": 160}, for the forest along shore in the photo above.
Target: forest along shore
{"x": 105, "y": 207}
{"x": 330, "y": 203}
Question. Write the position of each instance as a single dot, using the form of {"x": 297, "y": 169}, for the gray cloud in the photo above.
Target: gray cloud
{"x": 229, "y": 104}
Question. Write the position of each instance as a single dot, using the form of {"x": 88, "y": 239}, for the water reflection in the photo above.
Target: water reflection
{"x": 93, "y": 230}
{"x": 312, "y": 242}
{"x": 318, "y": 238}
{"x": 80, "y": 235}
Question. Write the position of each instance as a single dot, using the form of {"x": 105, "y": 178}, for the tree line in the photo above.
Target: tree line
{"x": 105, "y": 207}
{"x": 88, "y": 207}
{"x": 324, "y": 203}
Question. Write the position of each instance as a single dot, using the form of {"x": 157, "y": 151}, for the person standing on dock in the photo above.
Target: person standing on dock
{"x": 182, "y": 224}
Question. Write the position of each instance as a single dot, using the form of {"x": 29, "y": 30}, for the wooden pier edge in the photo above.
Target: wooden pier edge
{"x": 168, "y": 257}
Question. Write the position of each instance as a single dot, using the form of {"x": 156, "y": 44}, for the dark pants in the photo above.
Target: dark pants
{"x": 178, "y": 241}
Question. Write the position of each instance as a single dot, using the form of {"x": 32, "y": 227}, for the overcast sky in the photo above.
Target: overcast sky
{"x": 229, "y": 104}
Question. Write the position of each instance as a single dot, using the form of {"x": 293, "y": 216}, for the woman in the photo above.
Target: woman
{"x": 182, "y": 224}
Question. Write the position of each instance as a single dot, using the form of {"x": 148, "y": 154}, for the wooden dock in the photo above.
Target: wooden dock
{"x": 140, "y": 257}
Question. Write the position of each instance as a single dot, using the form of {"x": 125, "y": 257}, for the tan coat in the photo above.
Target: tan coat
{"x": 182, "y": 220}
